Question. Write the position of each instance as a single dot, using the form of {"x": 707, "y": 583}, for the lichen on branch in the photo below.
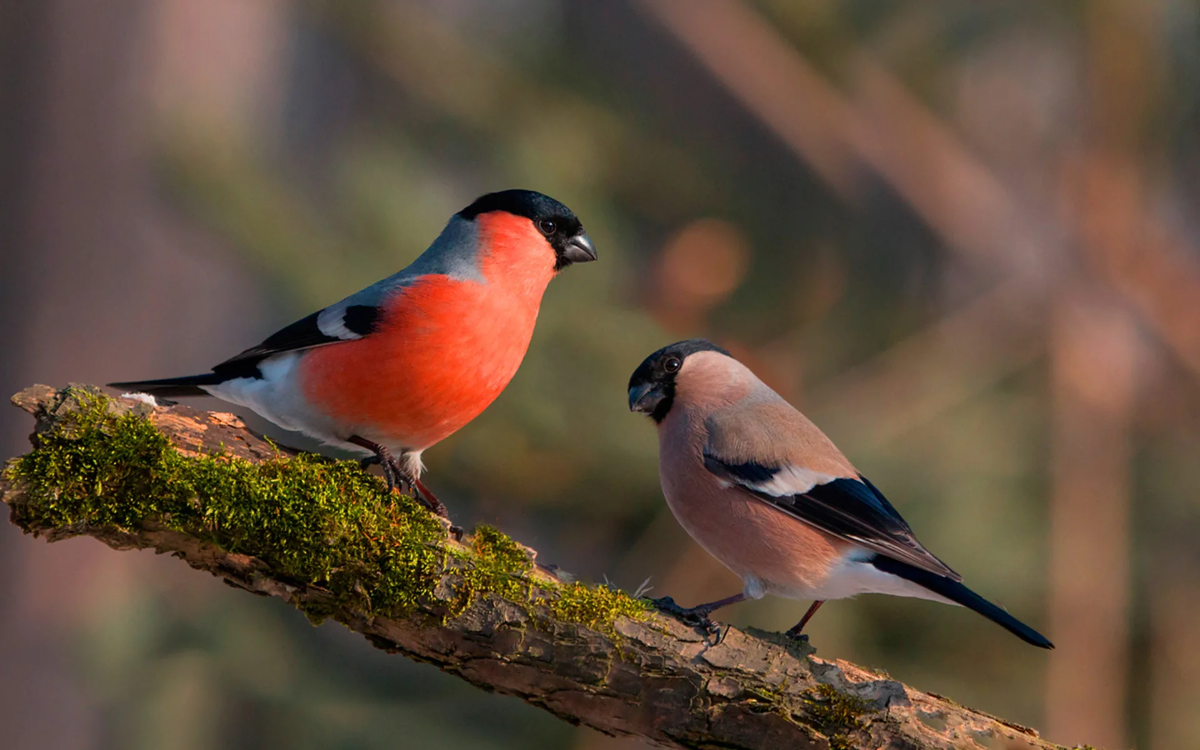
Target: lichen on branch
{"x": 329, "y": 539}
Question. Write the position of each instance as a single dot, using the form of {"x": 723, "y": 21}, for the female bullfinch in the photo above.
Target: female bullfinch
{"x": 764, "y": 491}
{"x": 404, "y": 363}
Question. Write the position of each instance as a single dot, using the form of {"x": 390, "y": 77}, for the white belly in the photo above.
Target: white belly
{"x": 851, "y": 577}
{"x": 277, "y": 398}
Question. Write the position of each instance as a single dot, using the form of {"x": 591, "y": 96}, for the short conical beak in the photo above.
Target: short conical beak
{"x": 644, "y": 398}
{"x": 579, "y": 249}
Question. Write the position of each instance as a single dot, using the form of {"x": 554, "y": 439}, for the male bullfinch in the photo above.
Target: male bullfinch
{"x": 766, "y": 493}
{"x": 404, "y": 363}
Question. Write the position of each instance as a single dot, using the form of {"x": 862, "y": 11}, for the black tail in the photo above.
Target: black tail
{"x": 956, "y": 592}
{"x": 171, "y": 387}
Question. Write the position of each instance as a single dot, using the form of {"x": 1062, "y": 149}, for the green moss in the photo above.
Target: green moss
{"x": 596, "y": 607}
{"x": 836, "y": 713}
{"x": 312, "y": 520}
{"x": 501, "y": 566}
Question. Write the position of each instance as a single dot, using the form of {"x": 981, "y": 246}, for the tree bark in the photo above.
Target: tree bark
{"x": 647, "y": 675}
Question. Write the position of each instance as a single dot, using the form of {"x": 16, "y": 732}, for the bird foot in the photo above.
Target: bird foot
{"x": 396, "y": 478}
{"x": 697, "y": 617}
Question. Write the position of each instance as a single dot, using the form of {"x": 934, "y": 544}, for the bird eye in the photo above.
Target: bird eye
{"x": 547, "y": 227}
{"x": 672, "y": 364}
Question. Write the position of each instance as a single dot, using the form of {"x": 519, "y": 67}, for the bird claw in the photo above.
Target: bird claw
{"x": 393, "y": 477}
{"x": 697, "y": 617}
{"x": 397, "y": 477}
{"x": 396, "y": 480}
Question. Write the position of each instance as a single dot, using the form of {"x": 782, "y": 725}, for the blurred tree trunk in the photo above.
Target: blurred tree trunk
{"x": 1093, "y": 350}
{"x": 66, "y": 71}
{"x": 86, "y": 252}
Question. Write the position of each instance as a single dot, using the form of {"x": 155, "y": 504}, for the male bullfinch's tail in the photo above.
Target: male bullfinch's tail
{"x": 956, "y": 592}
{"x": 171, "y": 387}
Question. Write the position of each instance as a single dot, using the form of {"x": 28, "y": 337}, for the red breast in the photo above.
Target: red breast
{"x": 445, "y": 347}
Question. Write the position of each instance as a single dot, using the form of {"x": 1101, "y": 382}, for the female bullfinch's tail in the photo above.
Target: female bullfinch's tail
{"x": 960, "y": 594}
{"x": 171, "y": 387}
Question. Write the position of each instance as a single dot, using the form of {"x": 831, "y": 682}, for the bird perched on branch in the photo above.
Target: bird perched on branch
{"x": 406, "y": 362}
{"x": 764, "y": 491}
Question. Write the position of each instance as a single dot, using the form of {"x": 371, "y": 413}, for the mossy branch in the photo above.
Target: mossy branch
{"x": 325, "y": 537}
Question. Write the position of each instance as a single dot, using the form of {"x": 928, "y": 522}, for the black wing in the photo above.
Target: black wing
{"x": 343, "y": 323}
{"x": 850, "y": 509}
{"x": 356, "y": 320}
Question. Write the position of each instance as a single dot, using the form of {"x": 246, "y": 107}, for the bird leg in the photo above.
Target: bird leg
{"x": 698, "y": 615}
{"x": 431, "y": 501}
{"x": 795, "y": 631}
{"x": 396, "y": 474}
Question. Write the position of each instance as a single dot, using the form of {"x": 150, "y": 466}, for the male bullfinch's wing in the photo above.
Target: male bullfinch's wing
{"x": 452, "y": 254}
{"x": 339, "y": 322}
{"x": 849, "y": 508}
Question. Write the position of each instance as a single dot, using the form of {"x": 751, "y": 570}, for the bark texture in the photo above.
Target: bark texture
{"x": 652, "y": 676}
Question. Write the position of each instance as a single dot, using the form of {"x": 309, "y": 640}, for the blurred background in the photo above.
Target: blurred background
{"x": 960, "y": 236}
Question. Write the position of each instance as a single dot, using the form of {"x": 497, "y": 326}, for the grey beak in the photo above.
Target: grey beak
{"x": 644, "y": 398}
{"x": 579, "y": 249}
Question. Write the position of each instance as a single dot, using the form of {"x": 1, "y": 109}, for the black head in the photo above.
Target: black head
{"x": 652, "y": 385}
{"x": 554, "y": 220}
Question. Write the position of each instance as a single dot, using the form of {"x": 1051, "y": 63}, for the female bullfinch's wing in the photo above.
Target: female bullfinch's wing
{"x": 765, "y": 447}
{"x": 847, "y": 508}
